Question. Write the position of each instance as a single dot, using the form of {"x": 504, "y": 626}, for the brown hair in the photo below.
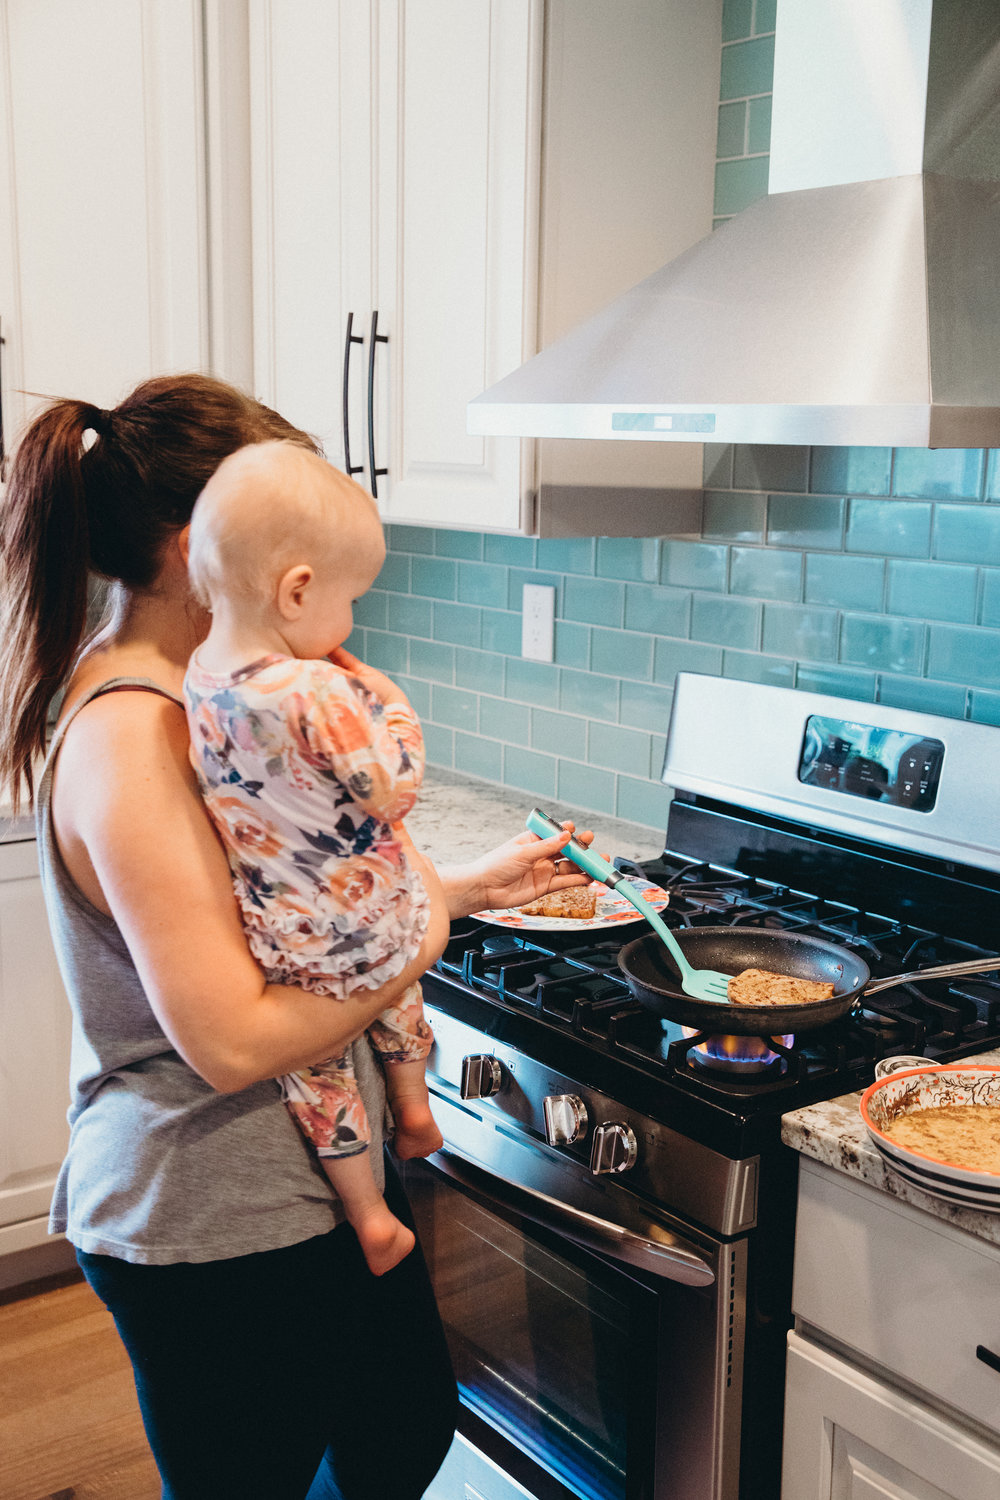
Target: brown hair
{"x": 108, "y": 509}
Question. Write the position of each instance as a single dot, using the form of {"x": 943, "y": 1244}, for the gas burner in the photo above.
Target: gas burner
{"x": 739, "y": 1056}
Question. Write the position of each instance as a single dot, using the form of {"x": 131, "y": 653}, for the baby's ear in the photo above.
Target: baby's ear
{"x": 290, "y": 593}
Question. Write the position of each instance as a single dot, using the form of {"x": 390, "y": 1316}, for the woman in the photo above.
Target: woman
{"x": 262, "y": 1347}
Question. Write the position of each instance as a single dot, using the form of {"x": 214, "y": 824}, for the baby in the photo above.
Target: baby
{"x": 307, "y": 766}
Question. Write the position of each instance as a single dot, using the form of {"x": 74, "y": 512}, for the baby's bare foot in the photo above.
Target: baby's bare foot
{"x": 384, "y": 1240}
{"x": 417, "y": 1133}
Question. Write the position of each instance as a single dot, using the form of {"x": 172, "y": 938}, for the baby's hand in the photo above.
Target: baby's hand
{"x": 376, "y": 682}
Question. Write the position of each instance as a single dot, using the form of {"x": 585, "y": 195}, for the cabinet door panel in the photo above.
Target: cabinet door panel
{"x": 34, "y": 1043}
{"x": 849, "y": 1437}
{"x": 101, "y": 125}
{"x": 457, "y": 211}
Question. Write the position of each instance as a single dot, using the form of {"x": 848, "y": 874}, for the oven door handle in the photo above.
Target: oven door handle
{"x": 658, "y": 1251}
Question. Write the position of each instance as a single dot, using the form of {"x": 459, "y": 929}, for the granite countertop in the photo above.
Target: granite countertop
{"x": 834, "y": 1133}
{"x": 458, "y": 818}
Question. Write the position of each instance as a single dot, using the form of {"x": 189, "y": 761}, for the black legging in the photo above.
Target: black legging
{"x": 256, "y": 1374}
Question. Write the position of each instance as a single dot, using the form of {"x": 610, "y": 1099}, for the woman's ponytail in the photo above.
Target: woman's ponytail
{"x": 44, "y": 551}
{"x": 108, "y": 509}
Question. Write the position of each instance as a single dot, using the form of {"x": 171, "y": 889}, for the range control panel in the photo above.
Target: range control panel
{"x": 861, "y": 760}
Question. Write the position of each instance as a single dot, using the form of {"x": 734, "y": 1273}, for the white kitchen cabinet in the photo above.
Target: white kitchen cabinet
{"x": 885, "y": 1394}
{"x": 479, "y": 175}
{"x": 34, "y": 1054}
{"x": 103, "y": 249}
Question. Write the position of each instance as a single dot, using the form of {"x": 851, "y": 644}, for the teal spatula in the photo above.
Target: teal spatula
{"x": 703, "y": 984}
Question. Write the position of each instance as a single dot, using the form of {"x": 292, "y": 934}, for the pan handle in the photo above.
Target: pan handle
{"x": 943, "y": 971}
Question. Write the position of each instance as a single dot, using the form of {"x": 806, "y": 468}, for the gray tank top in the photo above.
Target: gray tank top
{"x": 161, "y": 1167}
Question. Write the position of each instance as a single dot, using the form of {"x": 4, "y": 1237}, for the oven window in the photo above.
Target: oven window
{"x": 545, "y": 1343}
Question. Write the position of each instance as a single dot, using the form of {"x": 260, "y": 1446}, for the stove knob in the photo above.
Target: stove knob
{"x": 614, "y": 1149}
{"x": 482, "y": 1076}
{"x": 565, "y": 1119}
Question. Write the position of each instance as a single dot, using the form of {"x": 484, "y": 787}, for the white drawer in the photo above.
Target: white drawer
{"x": 910, "y": 1292}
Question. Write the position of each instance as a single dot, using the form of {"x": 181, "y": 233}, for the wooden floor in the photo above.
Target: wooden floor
{"x": 69, "y": 1423}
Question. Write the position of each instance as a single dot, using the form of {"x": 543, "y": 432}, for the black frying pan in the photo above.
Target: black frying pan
{"x": 653, "y": 978}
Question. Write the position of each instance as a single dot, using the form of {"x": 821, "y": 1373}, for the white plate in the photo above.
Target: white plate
{"x": 612, "y": 911}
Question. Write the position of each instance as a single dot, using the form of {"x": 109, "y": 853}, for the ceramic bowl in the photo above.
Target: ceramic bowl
{"x": 928, "y": 1088}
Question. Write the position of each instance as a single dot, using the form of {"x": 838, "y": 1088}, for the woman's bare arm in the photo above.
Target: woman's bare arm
{"x": 136, "y": 839}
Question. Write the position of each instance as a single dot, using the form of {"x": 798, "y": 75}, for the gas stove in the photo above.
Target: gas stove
{"x": 565, "y": 1099}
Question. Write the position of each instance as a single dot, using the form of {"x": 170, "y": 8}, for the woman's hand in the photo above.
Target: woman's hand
{"x": 521, "y": 870}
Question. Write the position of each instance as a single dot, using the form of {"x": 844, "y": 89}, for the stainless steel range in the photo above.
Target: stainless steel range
{"x": 610, "y": 1224}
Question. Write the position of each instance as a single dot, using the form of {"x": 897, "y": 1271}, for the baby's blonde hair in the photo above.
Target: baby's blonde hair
{"x": 267, "y": 507}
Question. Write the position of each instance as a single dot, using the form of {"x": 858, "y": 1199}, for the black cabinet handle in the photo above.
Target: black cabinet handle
{"x": 377, "y": 338}
{"x": 352, "y": 338}
{"x": 988, "y": 1357}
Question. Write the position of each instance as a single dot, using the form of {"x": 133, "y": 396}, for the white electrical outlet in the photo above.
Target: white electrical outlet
{"x": 538, "y": 621}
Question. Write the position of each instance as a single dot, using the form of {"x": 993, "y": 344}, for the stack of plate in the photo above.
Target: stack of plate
{"x": 930, "y": 1088}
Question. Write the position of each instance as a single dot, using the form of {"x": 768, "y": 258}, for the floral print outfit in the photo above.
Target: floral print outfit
{"x": 307, "y": 775}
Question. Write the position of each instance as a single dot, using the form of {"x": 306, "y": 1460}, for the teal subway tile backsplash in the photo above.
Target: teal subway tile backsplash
{"x": 454, "y": 707}
{"x": 478, "y": 757}
{"x": 934, "y": 591}
{"x": 851, "y": 471}
{"x": 629, "y": 557}
{"x": 660, "y": 611}
{"x": 938, "y": 473}
{"x": 737, "y": 518}
{"x": 922, "y": 696}
{"x": 587, "y": 693}
{"x": 794, "y": 630}
{"x": 806, "y": 521}
{"x": 889, "y": 527}
{"x": 739, "y": 183}
{"x": 411, "y": 539}
{"x": 770, "y": 466}
{"x": 585, "y": 786}
{"x": 759, "y": 125}
{"x": 866, "y": 573}
{"x": 501, "y": 720}
{"x": 408, "y": 615}
{"x": 737, "y": 19}
{"x": 482, "y": 583}
{"x": 731, "y": 137}
{"x": 766, "y": 573}
{"x": 530, "y": 771}
{"x": 964, "y": 654}
{"x": 566, "y": 554}
{"x": 434, "y": 576}
{"x": 764, "y": 15}
{"x": 747, "y": 68}
{"x": 458, "y": 624}
{"x": 967, "y": 533}
{"x": 892, "y": 645}
{"x": 851, "y": 582}
{"x": 593, "y": 601}
{"x": 572, "y": 644}
{"x": 726, "y": 622}
{"x": 557, "y": 733}
{"x": 694, "y": 565}
{"x": 621, "y": 653}
{"x": 620, "y": 749}
{"x": 462, "y": 544}
{"x": 645, "y": 705}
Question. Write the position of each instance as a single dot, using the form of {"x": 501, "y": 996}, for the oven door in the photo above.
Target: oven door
{"x": 582, "y": 1375}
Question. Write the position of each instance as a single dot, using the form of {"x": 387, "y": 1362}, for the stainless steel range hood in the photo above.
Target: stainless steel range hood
{"x": 859, "y": 302}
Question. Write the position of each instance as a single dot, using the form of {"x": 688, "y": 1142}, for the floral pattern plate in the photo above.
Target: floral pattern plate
{"x": 924, "y": 1088}
{"x": 612, "y": 911}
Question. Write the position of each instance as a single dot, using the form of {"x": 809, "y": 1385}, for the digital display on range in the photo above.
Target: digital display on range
{"x": 885, "y": 765}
